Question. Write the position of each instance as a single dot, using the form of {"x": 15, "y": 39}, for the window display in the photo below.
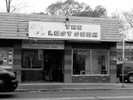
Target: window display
{"x": 32, "y": 59}
{"x": 6, "y": 57}
{"x": 90, "y": 62}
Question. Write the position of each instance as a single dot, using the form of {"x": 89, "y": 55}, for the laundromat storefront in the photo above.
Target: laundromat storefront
{"x": 41, "y": 48}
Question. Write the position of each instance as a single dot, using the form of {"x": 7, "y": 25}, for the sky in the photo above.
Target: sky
{"x": 30, "y": 6}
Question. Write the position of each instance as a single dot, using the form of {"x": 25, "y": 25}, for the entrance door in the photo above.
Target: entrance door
{"x": 42, "y": 66}
{"x": 53, "y": 66}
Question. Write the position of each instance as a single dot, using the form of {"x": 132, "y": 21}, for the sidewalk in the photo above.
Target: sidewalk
{"x": 71, "y": 86}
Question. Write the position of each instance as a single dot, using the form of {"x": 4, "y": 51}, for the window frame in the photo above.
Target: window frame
{"x": 108, "y": 68}
{"x": 31, "y": 68}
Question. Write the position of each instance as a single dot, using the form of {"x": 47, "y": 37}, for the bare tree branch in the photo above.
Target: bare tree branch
{"x": 129, "y": 18}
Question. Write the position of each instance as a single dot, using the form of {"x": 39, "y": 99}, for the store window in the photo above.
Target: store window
{"x": 32, "y": 59}
{"x": 90, "y": 62}
{"x": 6, "y": 57}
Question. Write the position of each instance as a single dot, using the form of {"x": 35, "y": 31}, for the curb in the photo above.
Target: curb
{"x": 71, "y": 89}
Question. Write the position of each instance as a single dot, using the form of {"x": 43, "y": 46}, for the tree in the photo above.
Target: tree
{"x": 125, "y": 20}
{"x": 67, "y": 8}
{"x": 87, "y": 12}
{"x": 8, "y": 5}
{"x": 99, "y": 11}
{"x": 16, "y": 7}
{"x": 121, "y": 21}
{"x": 74, "y": 8}
{"x": 129, "y": 18}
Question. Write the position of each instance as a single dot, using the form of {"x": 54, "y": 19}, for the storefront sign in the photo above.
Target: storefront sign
{"x": 31, "y": 44}
{"x": 65, "y": 31}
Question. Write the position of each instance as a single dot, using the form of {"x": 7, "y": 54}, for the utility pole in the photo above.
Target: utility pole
{"x": 123, "y": 58}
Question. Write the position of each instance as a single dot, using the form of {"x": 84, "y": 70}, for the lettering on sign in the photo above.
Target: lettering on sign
{"x": 64, "y": 31}
{"x": 31, "y": 44}
{"x": 69, "y": 34}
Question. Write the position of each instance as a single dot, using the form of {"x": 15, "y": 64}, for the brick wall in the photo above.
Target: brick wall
{"x": 113, "y": 56}
{"x": 68, "y": 65}
{"x": 91, "y": 79}
{"x": 17, "y": 59}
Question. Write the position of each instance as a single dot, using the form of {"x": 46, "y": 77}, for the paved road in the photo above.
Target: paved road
{"x": 70, "y": 95}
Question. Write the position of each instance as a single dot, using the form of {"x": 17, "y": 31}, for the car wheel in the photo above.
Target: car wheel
{"x": 130, "y": 78}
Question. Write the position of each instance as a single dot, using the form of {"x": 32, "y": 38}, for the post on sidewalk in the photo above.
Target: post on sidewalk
{"x": 123, "y": 57}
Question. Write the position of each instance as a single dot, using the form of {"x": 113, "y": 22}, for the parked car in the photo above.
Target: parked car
{"x": 128, "y": 71}
{"x": 8, "y": 82}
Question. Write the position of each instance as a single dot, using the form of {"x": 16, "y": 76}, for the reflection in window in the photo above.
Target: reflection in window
{"x": 79, "y": 57}
{"x": 90, "y": 62}
{"x": 32, "y": 59}
{"x": 99, "y": 62}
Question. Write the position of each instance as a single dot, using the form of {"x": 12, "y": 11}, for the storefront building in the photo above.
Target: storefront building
{"x": 44, "y": 48}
